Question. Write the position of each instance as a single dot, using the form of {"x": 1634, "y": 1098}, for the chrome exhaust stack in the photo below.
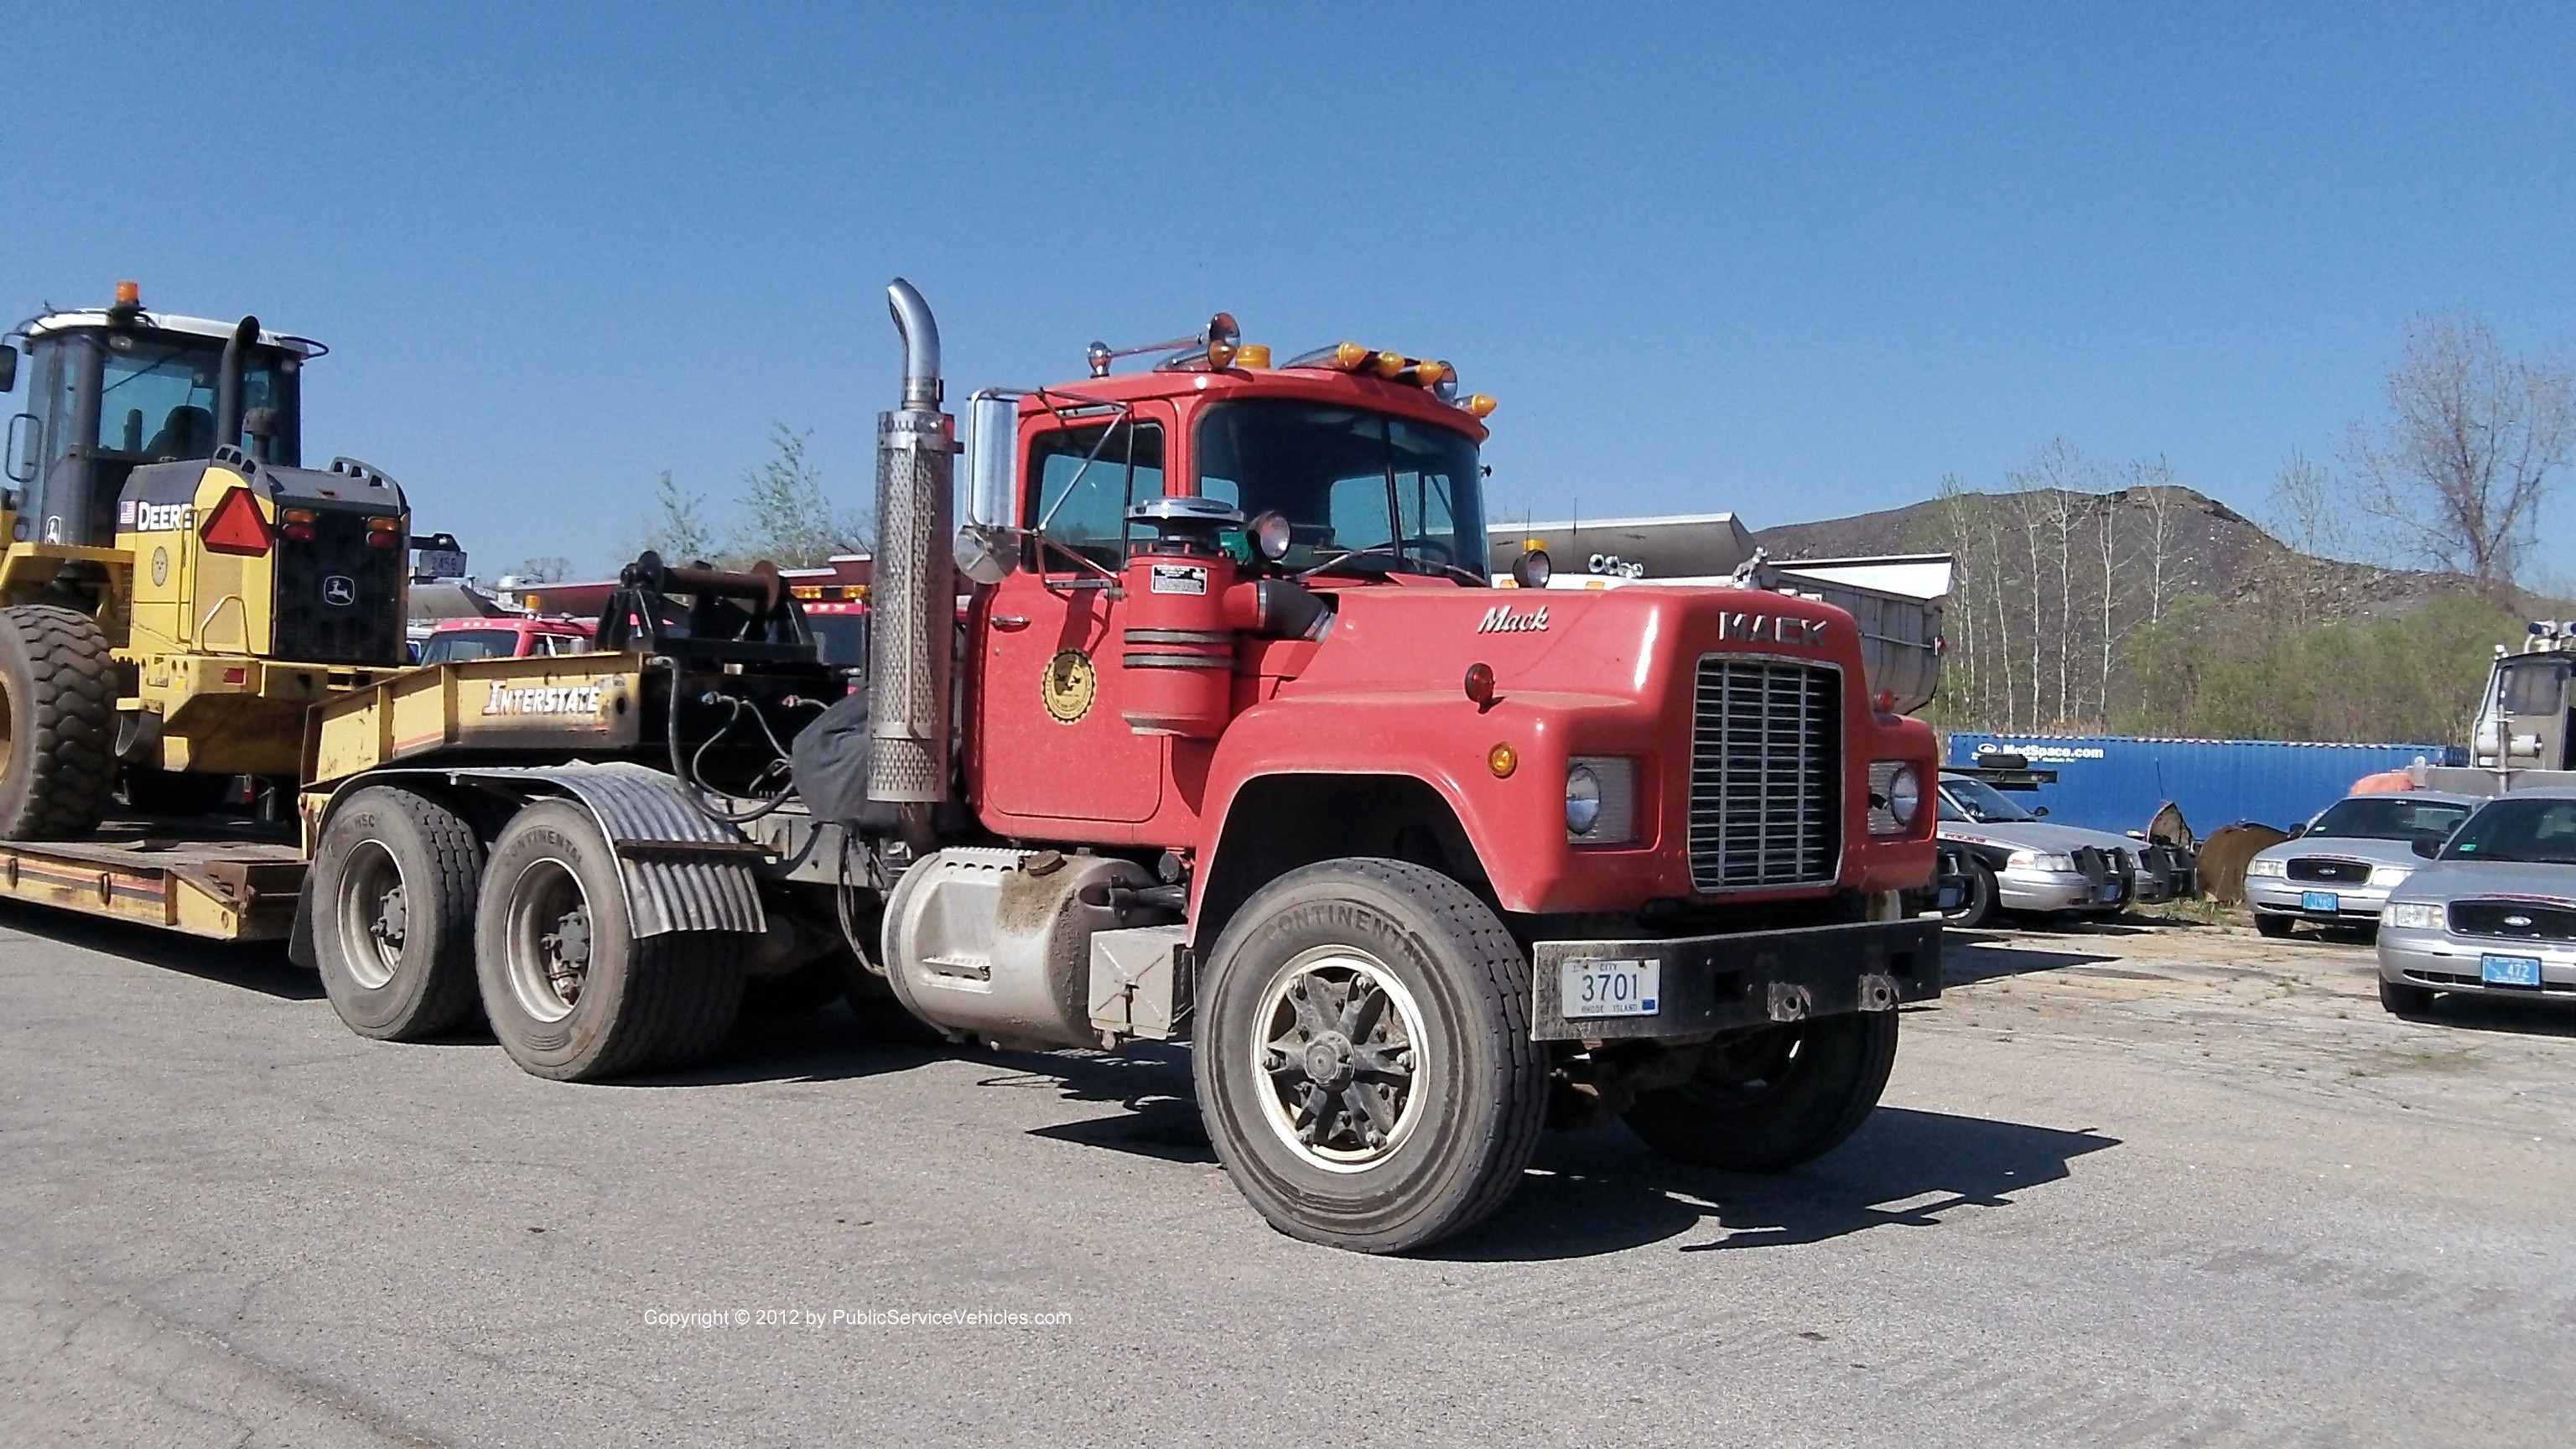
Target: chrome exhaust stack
{"x": 912, "y": 599}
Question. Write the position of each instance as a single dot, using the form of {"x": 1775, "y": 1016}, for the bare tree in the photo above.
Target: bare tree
{"x": 2309, "y": 515}
{"x": 2471, "y": 445}
{"x": 679, "y": 530}
{"x": 2154, "y": 481}
{"x": 548, "y": 569}
{"x": 790, "y": 520}
{"x": 2110, "y": 521}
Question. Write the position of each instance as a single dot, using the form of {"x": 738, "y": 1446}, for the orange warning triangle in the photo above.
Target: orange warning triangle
{"x": 234, "y": 526}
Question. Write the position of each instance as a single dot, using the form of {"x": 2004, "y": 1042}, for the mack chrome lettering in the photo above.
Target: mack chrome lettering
{"x": 1504, "y": 619}
{"x": 1770, "y": 629}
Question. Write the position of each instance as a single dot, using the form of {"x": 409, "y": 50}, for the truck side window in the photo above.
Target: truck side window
{"x": 2534, "y": 686}
{"x": 1084, "y": 480}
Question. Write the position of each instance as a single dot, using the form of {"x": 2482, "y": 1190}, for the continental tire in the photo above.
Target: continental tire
{"x": 1363, "y": 1056}
{"x": 57, "y": 764}
{"x": 1773, "y": 1098}
{"x": 569, "y": 990}
{"x": 394, "y": 881}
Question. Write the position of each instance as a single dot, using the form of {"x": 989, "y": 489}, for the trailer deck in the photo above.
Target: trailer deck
{"x": 148, "y": 874}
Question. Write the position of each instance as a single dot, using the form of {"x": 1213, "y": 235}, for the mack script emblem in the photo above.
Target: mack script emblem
{"x": 1503, "y": 619}
{"x": 1770, "y": 629}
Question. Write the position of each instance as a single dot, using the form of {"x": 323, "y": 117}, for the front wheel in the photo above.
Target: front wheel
{"x": 1364, "y": 1061}
{"x": 2405, "y": 999}
{"x": 572, "y": 993}
{"x": 1774, "y": 1097}
{"x": 1976, "y": 898}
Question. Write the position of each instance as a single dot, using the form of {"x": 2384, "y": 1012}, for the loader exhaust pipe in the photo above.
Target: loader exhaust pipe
{"x": 913, "y": 599}
{"x": 228, "y": 381}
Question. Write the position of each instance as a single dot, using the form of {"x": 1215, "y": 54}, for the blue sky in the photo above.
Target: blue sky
{"x": 1794, "y": 261}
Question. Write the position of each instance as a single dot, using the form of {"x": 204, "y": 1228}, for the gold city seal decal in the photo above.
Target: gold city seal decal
{"x": 1068, "y": 685}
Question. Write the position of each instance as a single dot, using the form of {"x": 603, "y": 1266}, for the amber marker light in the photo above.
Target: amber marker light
{"x": 1480, "y": 406}
{"x": 1349, "y": 355}
{"x": 129, "y": 294}
{"x": 1502, "y": 759}
{"x": 1253, "y": 354}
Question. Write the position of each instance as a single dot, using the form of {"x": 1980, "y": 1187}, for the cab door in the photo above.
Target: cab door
{"x": 1052, "y": 741}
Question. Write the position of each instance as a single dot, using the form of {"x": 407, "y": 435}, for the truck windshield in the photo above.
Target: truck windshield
{"x": 2388, "y": 817}
{"x": 456, "y": 645}
{"x": 157, "y": 399}
{"x": 1389, "y": 494}
{"x": 1980, "y": 802}
{"x": 2538, "y": 831}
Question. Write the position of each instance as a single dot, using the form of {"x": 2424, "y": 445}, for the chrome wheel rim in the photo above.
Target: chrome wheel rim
{"x": 374, "y": 914}
{"x": 1342, "y": 1058}
{"x": 547, "y": 922}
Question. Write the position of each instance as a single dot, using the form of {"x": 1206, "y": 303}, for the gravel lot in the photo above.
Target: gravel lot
{"x": 2130, "y": 1186}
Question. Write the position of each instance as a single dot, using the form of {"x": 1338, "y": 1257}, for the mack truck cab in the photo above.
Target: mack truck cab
{"x": 1436, "y": 861}
{"x": 178, "y": 586}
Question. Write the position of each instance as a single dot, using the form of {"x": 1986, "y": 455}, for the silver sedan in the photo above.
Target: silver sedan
{"x": 2338, "y": 869}
{"x": 2494, "y": 915}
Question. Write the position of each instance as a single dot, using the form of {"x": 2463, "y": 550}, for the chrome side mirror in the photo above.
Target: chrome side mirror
{"x": 992, "y": 435}
{"x": 987, "y": 553}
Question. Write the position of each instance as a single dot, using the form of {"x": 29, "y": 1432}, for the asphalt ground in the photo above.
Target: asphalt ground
{"x": 2128, "y": 1187}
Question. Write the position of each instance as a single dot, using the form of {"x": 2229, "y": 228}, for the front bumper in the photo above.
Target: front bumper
{"x": 2022, "y": 889}
{"x": 1750, "y": 978}
{"x": 2354, "y": 904}
{"x": 2446, "y": 962}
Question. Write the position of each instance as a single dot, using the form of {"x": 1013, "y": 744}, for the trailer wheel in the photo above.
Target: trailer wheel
{"x": 571, "y": 993}
{"x": 1976, "y": 898}
{"x": 57, "y": 716}
{"x": 1364, "y": 1061}
{"x": 394, "y": 878}
{"x": 1772, "y": 1098}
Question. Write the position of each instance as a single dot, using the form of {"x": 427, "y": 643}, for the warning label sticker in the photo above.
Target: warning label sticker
{"x": 1180, "y": 579}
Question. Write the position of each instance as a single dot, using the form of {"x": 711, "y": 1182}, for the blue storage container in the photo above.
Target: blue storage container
{"x": 2106, "y": 782}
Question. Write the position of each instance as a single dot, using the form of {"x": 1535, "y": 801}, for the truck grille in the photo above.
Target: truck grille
{"x": 2497, "y": 918}
{"x": 1766, "y": 774}
{"x": 2326, "y": 868}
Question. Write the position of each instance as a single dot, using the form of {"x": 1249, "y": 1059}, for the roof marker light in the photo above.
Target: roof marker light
{"x": 1479, "y": 406}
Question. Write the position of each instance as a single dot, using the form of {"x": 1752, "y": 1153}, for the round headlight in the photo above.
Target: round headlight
{"x": 1904, "y": 795}
{"x": 1582, "y": 800}
{"x": 1270, "y": 534}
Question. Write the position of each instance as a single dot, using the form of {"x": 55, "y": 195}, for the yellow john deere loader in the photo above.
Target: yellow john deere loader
{"x": 177, "y": 588}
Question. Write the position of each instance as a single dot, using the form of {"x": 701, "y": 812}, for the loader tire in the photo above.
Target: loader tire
{"x": 57, "y": 764}
{"x": 1772, "y": 1098}
{"x": 1363, "y": 1056}
{"x": 394, "y": 882}
{"x": 571, "y": 992}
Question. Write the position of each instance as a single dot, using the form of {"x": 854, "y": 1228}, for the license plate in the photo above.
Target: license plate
{"x": 2522, "y": 971}
{"x": 1608, "y": 988}
{"x": 2322, "y": 902}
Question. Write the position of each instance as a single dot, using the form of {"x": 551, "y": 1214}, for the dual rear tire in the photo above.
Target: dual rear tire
{"x": 417, "y": 924}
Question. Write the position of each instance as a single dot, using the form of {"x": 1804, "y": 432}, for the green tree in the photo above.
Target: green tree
{"x": 788, "y": 517}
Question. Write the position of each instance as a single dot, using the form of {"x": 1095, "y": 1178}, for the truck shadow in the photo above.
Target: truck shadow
{"x": 1968, "y": 957}
{"x": 1599, "y": 1191}
{"x": 1152, "y": 1084}
{"x": 259, "y": 966}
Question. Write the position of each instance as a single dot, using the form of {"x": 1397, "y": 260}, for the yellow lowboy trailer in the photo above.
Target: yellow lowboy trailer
{"x": 244, "y": 889}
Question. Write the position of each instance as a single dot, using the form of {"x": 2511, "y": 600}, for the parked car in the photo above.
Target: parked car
{"x": 2013, "y": 860}
{"x": 2494, "y": 914}
{"x": 2338, "y": 869}
{"x": 461, "y": 639}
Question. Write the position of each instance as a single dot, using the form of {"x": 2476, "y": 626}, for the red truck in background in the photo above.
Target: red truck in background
{"x": 504, "y": 638}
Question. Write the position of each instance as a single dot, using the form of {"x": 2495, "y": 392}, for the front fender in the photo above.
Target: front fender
{"x": 1515, "y": 822}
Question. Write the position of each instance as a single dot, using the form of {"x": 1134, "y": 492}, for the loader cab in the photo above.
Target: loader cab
{"x": 99, "y": 393}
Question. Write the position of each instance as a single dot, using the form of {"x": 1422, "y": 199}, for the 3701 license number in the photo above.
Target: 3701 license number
{"x": 1608, "y": 988}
